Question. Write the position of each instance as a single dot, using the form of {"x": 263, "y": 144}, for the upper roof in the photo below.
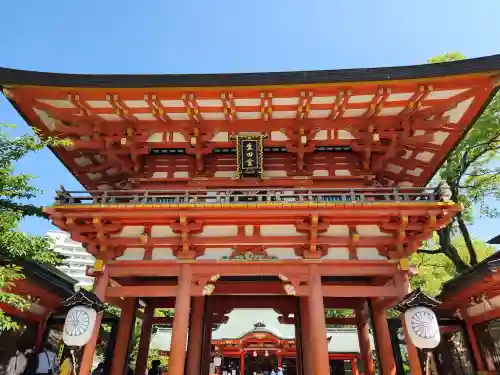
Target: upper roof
{"x": 399, "y": 121}
{"x": 485, "y": 64}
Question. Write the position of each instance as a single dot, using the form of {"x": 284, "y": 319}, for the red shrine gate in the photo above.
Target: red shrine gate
{"x": 297, "y": 191}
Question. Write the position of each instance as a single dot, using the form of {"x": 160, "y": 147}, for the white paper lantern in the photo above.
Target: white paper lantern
{"x": 423, "y": 328}
{"x": 79, "y": 326}
{"x": 217, "y": 361}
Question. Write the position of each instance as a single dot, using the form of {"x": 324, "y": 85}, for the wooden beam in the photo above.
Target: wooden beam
{"x": 162, "y": 320}
{"x": 341, "y": 291}
{"x": 26, "y": 315}
{"x": 288, "y": 268}
{"x": 284, "y": 241}
{"x": 332, "y": 320}
{"x": 141, "y": 291}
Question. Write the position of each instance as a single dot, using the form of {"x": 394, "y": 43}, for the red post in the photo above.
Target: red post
{"x": 354, "y": 367}
{"x": 364, "y": 340}
{"x": 475, "y": 348}
{"x": 280, "y": 360}
{"x": 413, "y": 357}
{"x": 147, "y": 326}
{"x": 383, "y": 341}
{"x": 306, "y": 335}
{"x": 181, "y": 322}
{"x": 207, "y": 340}
{"x": 242, "y": 362}
{"x": 125, "y": 326}
{"x": 299, "y": 347}
{"x": 42, "y": 324}
{"x": 195, "y": 337}
{"x": 318, "y": 341}
{"x": 100, "y": 285}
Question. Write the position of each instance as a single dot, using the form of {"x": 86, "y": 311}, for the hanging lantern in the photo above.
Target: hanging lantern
{"x": 79, "y": 325}
{"x": 266, "y": 353}
{"x": 254, "y": 353}
{"x": 81, "y": 317}
{"x": 217, "y": 361}
{"x": 422, "y": 326}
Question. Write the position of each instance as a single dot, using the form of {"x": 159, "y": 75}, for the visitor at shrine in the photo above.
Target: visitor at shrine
{"x": 272, "y": 372}
{"x": 31, "y": 362}
{"x": 155, "y": 368}
{"x": 17, "y": 364}
{"x": 99, "y": 369}
{"x": 47, "y": 361}
{"x": 67, "y": 366}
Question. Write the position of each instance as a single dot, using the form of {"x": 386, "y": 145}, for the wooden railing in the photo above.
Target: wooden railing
{"x": 247, "y": 196}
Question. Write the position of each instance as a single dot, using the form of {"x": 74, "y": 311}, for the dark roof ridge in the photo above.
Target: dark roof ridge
{"x": 10, "y": 76}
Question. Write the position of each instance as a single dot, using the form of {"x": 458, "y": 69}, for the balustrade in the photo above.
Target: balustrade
{"x": 218, "y": 196}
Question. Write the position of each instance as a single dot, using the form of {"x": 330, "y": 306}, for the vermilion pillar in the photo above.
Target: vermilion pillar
{"x": 413, "y": 357}
{"x": 280, "y": 360}
{"x": 100, "y": 285}
{"x": 181, "y": 322}
{"x": 354, "y": 367}
{"x": 125, "y": 326}
{"x": 306, "y": 335}
{"x": 299, "y": 350}
{"x": 207, "y": 341}
{"x": 147, "y": 326}
{"x": 242, "y": 362}
{"x": 474, "y": 346}
{"x": 364, "y": 340}
{"x": 383, "y": 341}
{"x": 195, "y": 337}
{"x": 318, "y": 340}
{"x": 42, "y": 324}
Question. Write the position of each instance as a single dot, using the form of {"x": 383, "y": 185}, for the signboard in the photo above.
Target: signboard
{"x": 249, "y": 155}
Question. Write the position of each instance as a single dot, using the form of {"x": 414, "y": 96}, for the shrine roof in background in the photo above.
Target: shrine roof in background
{"x": 43, "y": 285}
{"x": 495, "y": 240}
{"x": 395, "y": 125}
{"x": 473, "y": 285}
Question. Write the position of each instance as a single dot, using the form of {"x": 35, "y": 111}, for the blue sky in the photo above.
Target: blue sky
{"x": 152, "y": 36}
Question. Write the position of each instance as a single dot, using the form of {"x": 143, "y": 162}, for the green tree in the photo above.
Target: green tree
{"x": 472, "y": 172}
{"x": 16, "y": 189}
{"x": 446, "y": 57}
{"x": 435, "y": 269}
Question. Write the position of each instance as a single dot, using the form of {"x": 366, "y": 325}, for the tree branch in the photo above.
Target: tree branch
{"x": 426, "y": 251}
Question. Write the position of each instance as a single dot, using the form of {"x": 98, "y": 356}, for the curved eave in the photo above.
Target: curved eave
{"x": 486, "y": 64}
{"x": 470, "y": 277}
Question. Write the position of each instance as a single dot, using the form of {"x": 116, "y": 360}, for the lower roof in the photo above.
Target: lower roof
{"x": 44, "y": 275}
{"x": 469, "y": 277}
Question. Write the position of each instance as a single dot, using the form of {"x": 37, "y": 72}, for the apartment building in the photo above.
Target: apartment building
{"x": 77, "y": 258}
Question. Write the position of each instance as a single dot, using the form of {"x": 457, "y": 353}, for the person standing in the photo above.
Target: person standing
{"x": 31, "y": 362}
{"x": 17, "y": 364}
{"x": 67, "y": 366}
{"x": 47, "y": 361}
{"x": 155, "y": 368}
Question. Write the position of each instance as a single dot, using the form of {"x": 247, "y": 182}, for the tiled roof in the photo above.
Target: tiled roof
{"x": 242, "y": 321}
